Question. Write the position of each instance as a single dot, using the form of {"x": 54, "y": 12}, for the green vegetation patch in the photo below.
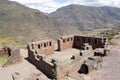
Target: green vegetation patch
{"x": 6, "y": 40}
{"x": 3, "y": 59}
{"x": 110, "y": 34}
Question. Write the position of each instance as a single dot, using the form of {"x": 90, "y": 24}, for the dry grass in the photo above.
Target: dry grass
{"x": 96, "y": 31}
{"x": 5, "y": 40}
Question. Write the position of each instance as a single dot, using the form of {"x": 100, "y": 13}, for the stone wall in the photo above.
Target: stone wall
{"x": 5, "y": 51}
{"x": 95, "y": 42}
{"x": 65, "y": 43}
{"x": 2, "y": 53}
{"x": 79, "y": 41}
{"x": 42, "y": 47}
{"x": 42, "y": 64}
{"x": 14, "y": 58}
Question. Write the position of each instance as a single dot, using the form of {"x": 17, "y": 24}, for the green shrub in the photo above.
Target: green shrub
{"x": 3, "y": 59}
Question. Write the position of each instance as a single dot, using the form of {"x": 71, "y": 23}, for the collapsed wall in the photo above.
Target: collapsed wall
{"x": 15, "y": 57}
{"x": 5, "y": 51}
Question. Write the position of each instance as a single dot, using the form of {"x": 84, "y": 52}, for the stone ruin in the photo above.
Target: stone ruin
{"x": 13, "y": 56}
{"x": 92, "y": 63}
{"x": 33, "y": 76}
{"x": 39, "y": 53}
{"x": 79, "y": 41}
{"x": 17, "y": 76}
{"x": 5, "y": 51}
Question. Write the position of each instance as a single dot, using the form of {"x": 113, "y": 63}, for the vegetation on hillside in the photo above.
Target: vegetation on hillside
{"x": 87, "y": 17}
{"x": 8, "y": 41}
{"x": 21, "y": 22}
{"x": 95, "y": 32}
{"x": 110, "y": 34}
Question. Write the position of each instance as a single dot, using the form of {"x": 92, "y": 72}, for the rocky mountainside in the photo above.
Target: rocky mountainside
{"x": 21, "y": 22}
{"x": 88, "y": 18}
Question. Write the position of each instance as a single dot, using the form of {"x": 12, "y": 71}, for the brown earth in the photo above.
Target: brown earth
{"x": 110, "y": 68}
{"x": 26, "y": 69}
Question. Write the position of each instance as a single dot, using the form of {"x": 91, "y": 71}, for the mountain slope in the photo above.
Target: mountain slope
{"x": 88, "y": 18}
{"x": 28, "y": 24}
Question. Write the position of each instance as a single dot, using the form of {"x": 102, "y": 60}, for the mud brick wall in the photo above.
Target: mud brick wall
{"x": 43, "y": 47}
{"x": 65, "y": 43}
{"x": 79, "y": 41}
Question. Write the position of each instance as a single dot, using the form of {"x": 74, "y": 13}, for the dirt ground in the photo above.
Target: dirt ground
{"x": 25, "y": 69}
{"x": 110, "y": 68}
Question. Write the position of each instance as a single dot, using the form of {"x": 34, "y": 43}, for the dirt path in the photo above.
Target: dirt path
{"x": 25, "y": 69}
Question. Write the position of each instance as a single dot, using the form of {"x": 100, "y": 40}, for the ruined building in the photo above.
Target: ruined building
{"x": 71, "y": 54}
{"x": 5, "y": 51}
{"x": 13, "y": 55}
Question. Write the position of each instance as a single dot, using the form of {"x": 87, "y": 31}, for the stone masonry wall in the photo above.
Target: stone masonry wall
{"x": 2, "y": 53}
{"x": 14, "y": 58}
{"x": 79, "y": 41}
{"x": 43, "y": 47}
{"x": 95, "y": 42}
{"x": 37, "y": 52}
{"x": 65, "y": 43}
{"x": 39, "y": 61}
{"x": 5, "y": 51}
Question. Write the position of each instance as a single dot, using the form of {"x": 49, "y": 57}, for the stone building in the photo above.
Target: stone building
{"x": 79, "y": 41}
{"x": 71, "y": 54}
{"x": 37, "y": 52}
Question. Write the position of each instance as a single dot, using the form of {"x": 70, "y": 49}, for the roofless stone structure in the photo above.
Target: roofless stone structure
{"x": 72, "y": 53}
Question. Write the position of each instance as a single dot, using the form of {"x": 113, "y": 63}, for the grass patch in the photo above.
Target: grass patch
{"x": 3, "y": 59}
{"x": 6, "y": 40}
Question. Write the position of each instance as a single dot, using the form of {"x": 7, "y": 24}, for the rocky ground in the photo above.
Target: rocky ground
{"x": 110, "y": 68}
